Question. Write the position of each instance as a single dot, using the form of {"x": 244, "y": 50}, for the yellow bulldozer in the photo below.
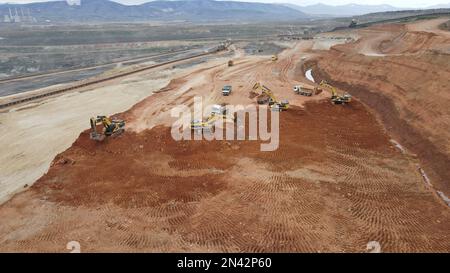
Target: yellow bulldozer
{"x": 111, "y": 127}
{"x": 267, "y": 96}
{"x": 335, "y": 97}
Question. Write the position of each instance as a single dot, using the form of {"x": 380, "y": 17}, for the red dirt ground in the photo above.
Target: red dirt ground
{"x": 334, "y": 184}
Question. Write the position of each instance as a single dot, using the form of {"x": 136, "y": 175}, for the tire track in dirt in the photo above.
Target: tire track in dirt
{"x": 331, "y": 186}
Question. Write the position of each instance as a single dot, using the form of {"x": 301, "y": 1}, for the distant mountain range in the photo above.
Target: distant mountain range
{"x": 185, "y": 10}
{"x": 352, "y": 9}
{"x": 343, "y": 10}
{"x": 440, "y": 6}
{"x": 182, "y": 10}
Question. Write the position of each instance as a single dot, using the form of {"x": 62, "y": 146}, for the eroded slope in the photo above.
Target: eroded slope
{"x": 403, "y": 73}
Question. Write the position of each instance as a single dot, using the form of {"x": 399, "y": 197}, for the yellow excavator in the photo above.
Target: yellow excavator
{"x": 335, "y": 97}
{"x": 267, "y": 96}
{"x": 111, "y": 127}
{"x": 218, "y": 112}
{"x": 274, "y": 58}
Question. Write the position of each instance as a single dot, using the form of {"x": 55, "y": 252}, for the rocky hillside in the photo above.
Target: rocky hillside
{"x": 186, "y": 10}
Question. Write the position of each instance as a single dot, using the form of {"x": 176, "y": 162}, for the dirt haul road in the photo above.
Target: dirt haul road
{"x": 402, "y": 72}
{"x": 335, "y": 183}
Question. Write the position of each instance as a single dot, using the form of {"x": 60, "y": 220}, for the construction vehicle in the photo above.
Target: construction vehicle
{"x": 207, "y": 125}
{"x": 303, "y": 91}
{"x": 267, "y": 96}
{"x": 274, "y": 58}
{"x": 306, "y": 91}
{"x": 226, "y": 90}
{"x": 230, "y": 63}
{"x": 111, "y": 127}
{"x": 335, "y": 97}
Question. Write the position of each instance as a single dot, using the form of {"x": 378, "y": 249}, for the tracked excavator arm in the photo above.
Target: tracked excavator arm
{"x": 207, "y": 124}
{"x": 273, "y": 102}
{"x": 335, "y": 97}
{"x": 111, "y": 127}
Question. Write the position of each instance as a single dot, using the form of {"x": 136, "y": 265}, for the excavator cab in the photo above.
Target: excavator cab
{"x": 347, "y": 98}
{"x": 280, "y": 106}
{"x": 284, "y": 104}
{"x": 199, "y": 125}
{"x": 111, "y": 127}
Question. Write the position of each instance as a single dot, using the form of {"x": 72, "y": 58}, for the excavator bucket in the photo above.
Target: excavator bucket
{"x": 96, "y": 136}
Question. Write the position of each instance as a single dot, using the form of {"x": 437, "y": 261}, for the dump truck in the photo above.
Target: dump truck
{"x": 226, "y": 90}
{"x": 306, "y": 91}
{"x": 274, "y": 58}
{"x": 230, "y": 63}
{"x": 303, "y": 91}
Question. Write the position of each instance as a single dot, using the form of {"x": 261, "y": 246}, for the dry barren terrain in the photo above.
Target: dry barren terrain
{"x": 335, "y": 183}
{"x": 402, "y": 72}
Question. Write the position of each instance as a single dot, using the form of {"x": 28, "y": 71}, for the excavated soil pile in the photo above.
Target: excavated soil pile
{"x": 334, "y": 184}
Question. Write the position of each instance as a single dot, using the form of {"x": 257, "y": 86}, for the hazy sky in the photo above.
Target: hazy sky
{"x": 398, "y": 3}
